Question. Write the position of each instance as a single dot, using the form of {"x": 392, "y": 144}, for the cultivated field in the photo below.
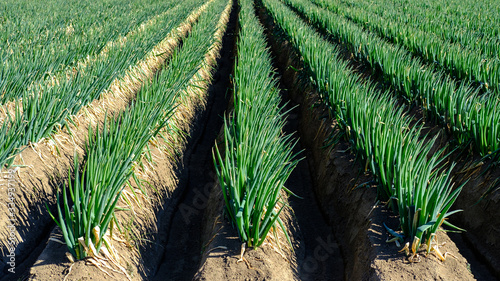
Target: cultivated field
{"x": 250, "y": 140}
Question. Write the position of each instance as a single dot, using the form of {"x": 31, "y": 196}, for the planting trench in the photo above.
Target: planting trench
{"x": 336, "y": 231}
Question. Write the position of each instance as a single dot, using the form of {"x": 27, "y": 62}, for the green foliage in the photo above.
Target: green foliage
{"x": 113, "y": 151}
{"x": 470, "y": 117}
{"x": 463, "y": 61}
{"x": 40, "y": 40}
{"x": 110, "y": 157}
{"x": 380, "y": 134}
{"x": 257, "y": 158}
{"x": 458, "y": 21}
{"x": 9, "y": 141}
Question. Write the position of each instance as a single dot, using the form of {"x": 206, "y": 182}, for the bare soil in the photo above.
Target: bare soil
{"x": 479, "y": 216}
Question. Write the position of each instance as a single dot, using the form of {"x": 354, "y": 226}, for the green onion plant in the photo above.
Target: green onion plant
{"x": 257, "y": 157}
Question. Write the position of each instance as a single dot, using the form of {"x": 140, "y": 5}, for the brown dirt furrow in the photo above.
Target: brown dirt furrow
{"x": 480, "y": 215}
{"x": 315, "y": 255}
{"x": 45, "y": 165}
{"x": 184, "y": 231}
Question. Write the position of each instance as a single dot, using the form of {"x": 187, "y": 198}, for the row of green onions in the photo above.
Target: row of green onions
{"x": 39, "y": 47}
{"x": 461, "y": 21}
{"x": 112, "y": 152}
{"x": 409, "y": 176}
{"x": 46, "y": 108}
{"x": 256, "y": 158}
{"x": 26, "y": 22}
{"x": 461, "y": 61}
{"x": 470, "y": 117}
